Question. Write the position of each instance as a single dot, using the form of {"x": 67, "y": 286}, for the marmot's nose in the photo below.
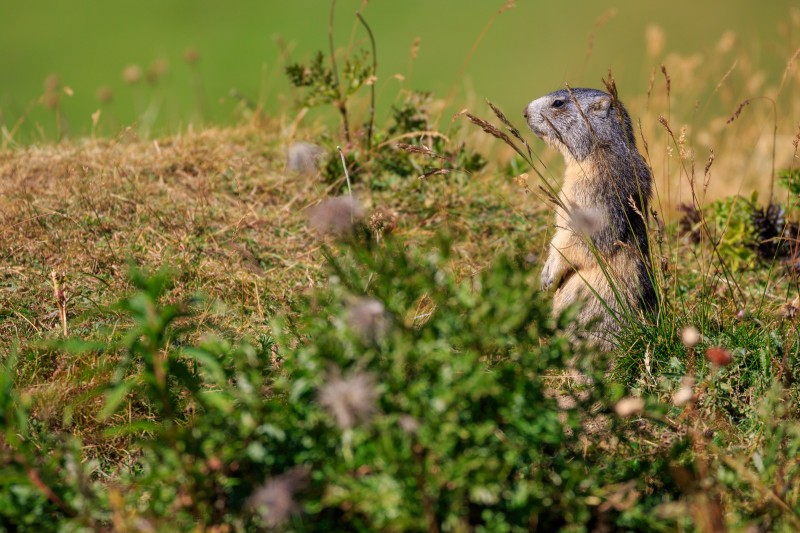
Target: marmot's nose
{"x": 525, "y": 112}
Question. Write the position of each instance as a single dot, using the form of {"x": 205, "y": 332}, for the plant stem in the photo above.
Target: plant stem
{"x": 346, "y": 174}
{"x": 374, "y": 80}
{"x": 427, "y": 504}
{"x": 341, "y": 104}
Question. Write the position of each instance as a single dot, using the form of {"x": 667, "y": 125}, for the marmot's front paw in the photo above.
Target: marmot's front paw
{"x": 551, "y": 273}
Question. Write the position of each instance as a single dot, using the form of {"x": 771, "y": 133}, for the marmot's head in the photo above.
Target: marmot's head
{"x": 603, "y": 122}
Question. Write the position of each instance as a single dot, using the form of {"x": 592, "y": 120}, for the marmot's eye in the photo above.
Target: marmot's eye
{"x": 557, "y": 103}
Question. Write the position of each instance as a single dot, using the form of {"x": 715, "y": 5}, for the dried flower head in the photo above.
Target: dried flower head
{"x": 667, "y": 79}
{"x": 304, "y": 157}
{"x": 415, "y": 48}
{"x": 52, "y": 83}
{"x": 132, "y": 74}
{"x": 104, "y": 94}
{"x": 274, "y": 500}
{"x": 738, "y": 110}
{"x": 629, "y": 406}
{"x": 335, "y": 216}
{"x": 157, "y": 70}
{"x": 409, "y": 424}
{"x": 368, "y": 317}
{"x": 726, "y": 42}
{"x": 719, "y": 356}
{"x": 690, "y": 336}
{"x": 191, "y": 55}
{"x": 350, "y": 400}
{"x": 382, "y": 222}
{"x": 50, "y": 100}
{"x": 586, "y": 221}
{"x": 789, "y": 309}
{"x": 419, "y": 149}
{"x": 684, "y": 393}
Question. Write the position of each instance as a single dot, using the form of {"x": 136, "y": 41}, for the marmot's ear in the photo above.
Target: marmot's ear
{"x": 601, "y": 106}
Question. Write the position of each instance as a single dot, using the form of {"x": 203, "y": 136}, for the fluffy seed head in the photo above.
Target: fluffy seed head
{"x": 104, "y": 94}
{"x": 368, "y": 317}
{"x": 132, "y": 74}
{"x": 586, "y": 221}
{"x": 335, "y": 216}
{"x": 685, "y": 393}
{"x": 274, "y": 500}
{"x": 350, "y": 399}
{"x": 629, "y": 406}
{"x": 654, "y": 39}
{"x": 690, "y": 336}
{"x": 304, "y": 157}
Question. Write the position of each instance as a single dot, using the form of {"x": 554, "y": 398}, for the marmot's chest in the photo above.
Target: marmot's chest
{"x": 581, "y": 193}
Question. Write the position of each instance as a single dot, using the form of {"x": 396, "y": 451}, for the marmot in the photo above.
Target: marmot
{"x": 600, "y": 253}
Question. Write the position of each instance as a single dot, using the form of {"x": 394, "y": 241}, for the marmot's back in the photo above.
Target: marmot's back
{"x": 600, "y": 253}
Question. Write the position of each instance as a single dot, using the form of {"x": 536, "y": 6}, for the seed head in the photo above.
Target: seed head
{"x": 685, "y": 393}
{"x": 629, "y": 406}
{"x": 304, "y": 157}
{"x": 104, "y": 94}
{"x": 132, "y": 74}
{"x": 350, "y": 400}
{"x": 191, "y": 55}
{"x": 50, "y": 100}
{"x": 335, "y": 216}
{"x": 586, "y": 221}
{"x": 789, "y": 309}
{"x": 409, "y": 424}
{"x": 368, "y": 317}
{"x": 274, "y": 500}
{"x": 157, "y": 70}
{"x": 654, "y": 39}
{"x": 690, "y": 336}
{"x": 382, "y": 222}
{"x": 52, "y": 83}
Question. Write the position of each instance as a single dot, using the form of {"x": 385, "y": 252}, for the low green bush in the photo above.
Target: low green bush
{"x": 397, "y": 398}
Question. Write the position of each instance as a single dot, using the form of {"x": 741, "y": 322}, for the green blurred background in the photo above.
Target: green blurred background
{"x": 243, "y": 45}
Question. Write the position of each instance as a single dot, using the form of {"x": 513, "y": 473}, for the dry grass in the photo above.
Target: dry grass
{"x": 216, "y": 206}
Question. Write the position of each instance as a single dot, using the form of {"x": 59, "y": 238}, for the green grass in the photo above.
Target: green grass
{"x": 529, "y": 50}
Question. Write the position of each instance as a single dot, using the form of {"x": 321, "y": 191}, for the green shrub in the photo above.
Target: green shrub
{"x": 398, "y": 398}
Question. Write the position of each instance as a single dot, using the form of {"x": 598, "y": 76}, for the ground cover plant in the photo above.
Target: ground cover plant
{"x": 337, "y": 325}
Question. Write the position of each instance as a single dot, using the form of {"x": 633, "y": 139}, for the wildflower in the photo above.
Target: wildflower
{"x": 351, "y": 400}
